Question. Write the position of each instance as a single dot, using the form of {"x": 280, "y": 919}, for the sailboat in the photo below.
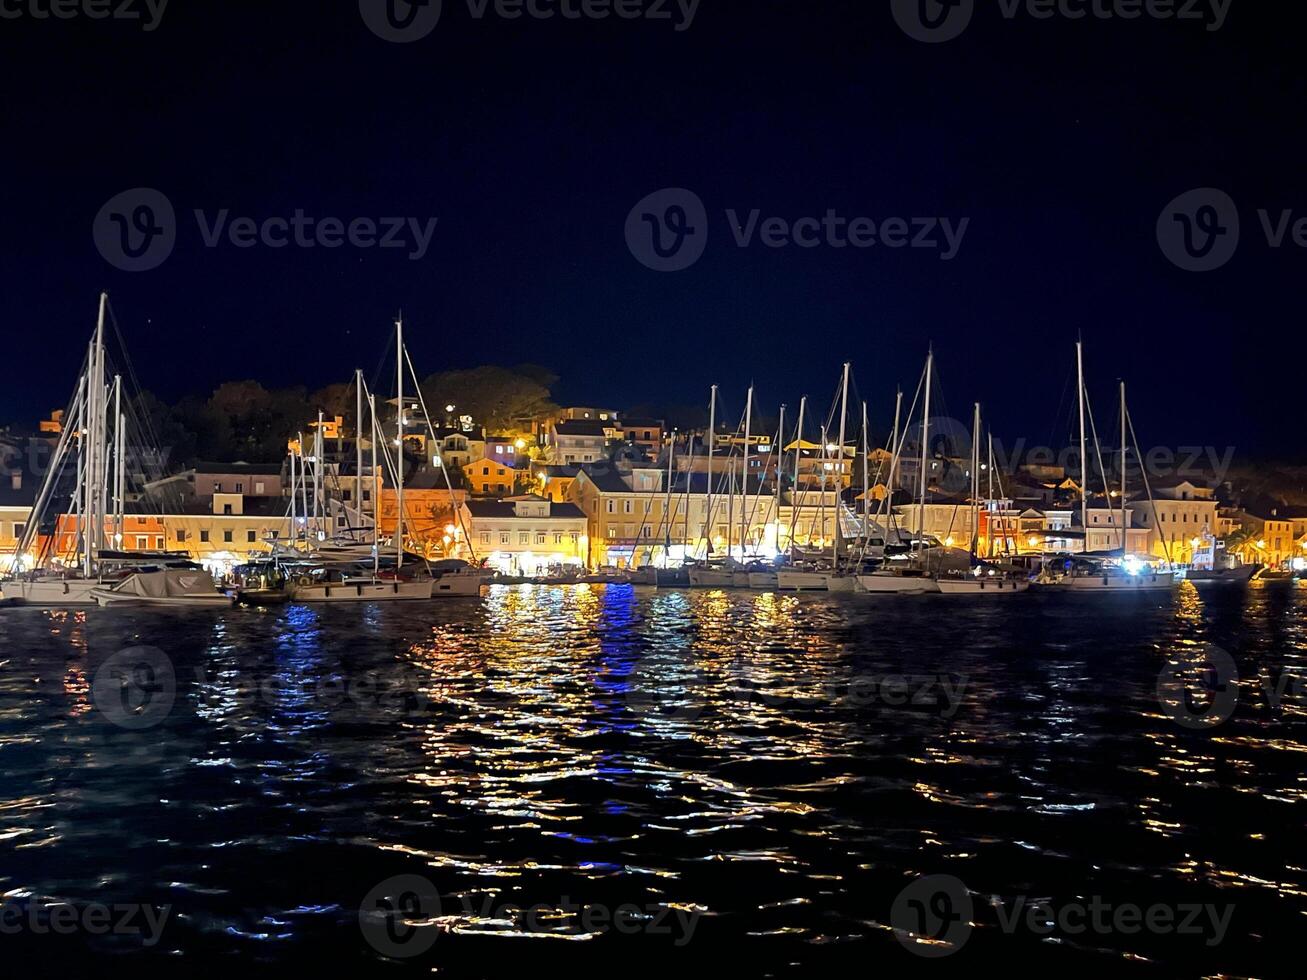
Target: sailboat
{"x": 96, "y": 501}
{"x": 1095, "y": 574}
{"x": 980, "y": 580}
{"x": 350, "y": 581}
{"x": 907, "y": 576}
{"x": 825, "y": 576}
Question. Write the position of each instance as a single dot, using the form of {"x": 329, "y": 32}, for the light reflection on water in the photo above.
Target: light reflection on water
{"x": 749, "y": 755}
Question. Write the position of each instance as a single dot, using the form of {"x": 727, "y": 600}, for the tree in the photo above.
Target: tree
{"x": 495, "y": 397}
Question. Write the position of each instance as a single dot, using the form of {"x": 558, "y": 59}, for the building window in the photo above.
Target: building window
{"x": 181, "y": 535}
{"x": 503, "y": 537}
{"x": 226, "y": 508}
{"x": 558, "y": 537}
{"x": 217, "y": 487}
{"x": 346, "y": 494}
{"x": 612, "y": 531}
{"x": 251, "y": 536}
{"x": 240, "y": 487}
{"x": 142, "y": 542}
{"x": 204, "y": 536}
{"x": 575, "y": 537}
{"x": 627, "y": 506}
{"x": 367, "y": 494}
{"x": 524, "y": 537}
{"x": 258, "y": 486}
{"x": 226, "y": 536}
{"x": 19, "y": 529}
{"x": 158, "y": 542}
{"x": 612, "y": 506}
{"x": 540, "y": 537}
{"x": 485, "y": 537}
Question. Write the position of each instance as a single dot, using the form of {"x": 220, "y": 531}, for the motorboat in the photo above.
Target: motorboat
{"x": 262, "y": 583}
{"x": 1235, "y": 575}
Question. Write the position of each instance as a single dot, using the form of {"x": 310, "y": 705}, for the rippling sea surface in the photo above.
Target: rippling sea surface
{"x": 743, "y": 782}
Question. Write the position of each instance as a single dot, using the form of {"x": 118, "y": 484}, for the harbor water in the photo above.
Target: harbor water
{"x": 642, "y": 781}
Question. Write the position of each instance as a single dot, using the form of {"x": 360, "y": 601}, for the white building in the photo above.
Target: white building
{"x": 526, "y": 535}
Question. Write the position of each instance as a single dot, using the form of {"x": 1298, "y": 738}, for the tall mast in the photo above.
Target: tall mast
{"x": 376, "y": 485}
{"x": 866, "y": 480}
{"x": 744, "y": 480}
{"x": 79, "y": 495}
{"x": 1084, "y": 451}
{"x": 839, "y": 469}
{"x": 120, "y": 466}
{"x": 780, "y": 460}
{"x": 975, "y": 480}
{"x": 989, "y": 495}
{"x": 358, "y": 445}
{"x": 319, "y": 504}
{"x": 925, "y": 451}
{"x": 399, "y": 442}
{"x": 668, "y": 517}
{"x": 730, "y": 505}
{"x": 304, "y": 491}
{"x": 887, "y": 511}
{"x": 294, "y": 531}
{"x": 712, "y": 429}
{"x": 794, "y": 488}
{"x": 1123, "y": 440}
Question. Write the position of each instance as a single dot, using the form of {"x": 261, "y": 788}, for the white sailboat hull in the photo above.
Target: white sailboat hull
{"x": 897, "y": 584}
{"x": 52, "y": 592}
{"x": 457, "y": 585}
{"x": 1148, "y": 582}
{"x": 363, "y": 591}
{"x": 981, "y": 586}
{"x": 107, "y": 597}
{"x": 795, "y": 580}
{"x": 763, "y": 580}
{"x": 712, "y": 578}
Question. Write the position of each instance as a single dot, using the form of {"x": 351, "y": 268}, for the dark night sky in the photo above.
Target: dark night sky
{"x": 531, "y": 141}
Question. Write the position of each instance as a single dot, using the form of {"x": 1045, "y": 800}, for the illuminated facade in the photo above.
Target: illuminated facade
{"x": 526, "y": 535}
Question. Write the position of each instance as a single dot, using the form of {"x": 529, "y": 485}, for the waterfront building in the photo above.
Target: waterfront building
{"x": 1179, "y": 519}
{"x": 570, "y": 441}
{"x": 487, "y": 476}
{"x": 526, "y": 535}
